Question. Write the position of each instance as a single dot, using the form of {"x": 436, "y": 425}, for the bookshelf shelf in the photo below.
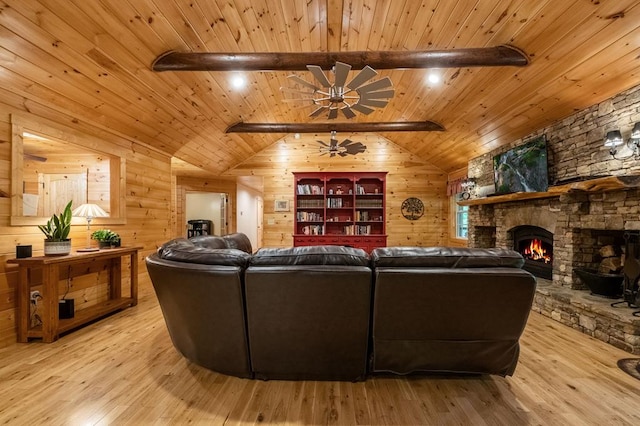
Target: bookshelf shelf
{"x": 347, "y": 209}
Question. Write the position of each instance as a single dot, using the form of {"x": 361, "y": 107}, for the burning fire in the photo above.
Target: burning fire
{"x": 535, "y": 251}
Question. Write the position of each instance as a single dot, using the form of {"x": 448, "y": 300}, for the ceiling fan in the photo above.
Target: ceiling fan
{"x": 356, "y": 95}
{"x": 344, "y": 148}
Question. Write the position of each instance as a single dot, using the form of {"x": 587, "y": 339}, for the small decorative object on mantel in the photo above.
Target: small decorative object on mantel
{"x": 56, "y": 231}
{"x": 412, "y": 208}
{"x": 106, "y": 238}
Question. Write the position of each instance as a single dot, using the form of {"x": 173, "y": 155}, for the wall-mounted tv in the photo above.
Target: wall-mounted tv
{"x": 522, "y": 168}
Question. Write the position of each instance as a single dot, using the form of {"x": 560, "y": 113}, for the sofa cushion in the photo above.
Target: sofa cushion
{"x": 209, "y": 241}
{"x": 183, "y": 250}
{"x": 238, "y": 241}
{"x": 446, "y": 257}
{"x": 311, "y": 255}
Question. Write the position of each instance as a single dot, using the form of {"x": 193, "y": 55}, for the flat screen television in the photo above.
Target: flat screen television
{"x": 522, "y": 168}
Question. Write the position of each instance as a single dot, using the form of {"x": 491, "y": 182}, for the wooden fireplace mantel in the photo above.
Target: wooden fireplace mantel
{"x": 602, "y": 184}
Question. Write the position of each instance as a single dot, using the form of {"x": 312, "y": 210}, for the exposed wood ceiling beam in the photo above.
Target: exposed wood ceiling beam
{"x": 297, "y": 61}
{"x": 407, "y": 126}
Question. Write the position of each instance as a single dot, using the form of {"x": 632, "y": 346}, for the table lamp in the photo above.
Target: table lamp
{"x": 89, "y": 211}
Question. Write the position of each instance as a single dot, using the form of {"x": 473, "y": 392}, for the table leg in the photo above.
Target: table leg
{"x": 134, "y": 277}
{"x": 50, "y": 303}
{"x": 24, "y": 312}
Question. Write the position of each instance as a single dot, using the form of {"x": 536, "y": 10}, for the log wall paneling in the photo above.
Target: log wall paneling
{"x": 407, "y": 177}
{"x": 148, "y": 220}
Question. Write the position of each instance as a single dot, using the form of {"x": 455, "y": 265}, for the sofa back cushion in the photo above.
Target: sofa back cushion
{"x": 184, "y": 250}
{"x": 446, "y": 257}
{"x": 311, "y": 255}
{"x": 209, "y": 241}
{"x": 238, "y": 241}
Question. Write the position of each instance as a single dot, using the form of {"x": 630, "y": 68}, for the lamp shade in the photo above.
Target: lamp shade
{"x": 89, "y": 211}
{"x": 613, "y": 138}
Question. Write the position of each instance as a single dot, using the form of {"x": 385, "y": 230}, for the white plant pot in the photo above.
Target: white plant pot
{"x": 57, "y": 248}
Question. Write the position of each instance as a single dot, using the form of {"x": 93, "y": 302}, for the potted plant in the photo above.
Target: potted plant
{"x": 56, "y": 231}
{"x": 106, "y": 238}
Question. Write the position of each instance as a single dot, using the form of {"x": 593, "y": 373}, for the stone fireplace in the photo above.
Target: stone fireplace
{"x": 570, "y": 227}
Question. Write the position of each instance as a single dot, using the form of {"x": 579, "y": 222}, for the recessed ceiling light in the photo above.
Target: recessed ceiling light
{"x": 433, "y": 78}
{"x": 238, "y": 82}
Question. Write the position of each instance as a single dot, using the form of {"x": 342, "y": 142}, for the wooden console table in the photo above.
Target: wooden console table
{"x": 52, "y": 269}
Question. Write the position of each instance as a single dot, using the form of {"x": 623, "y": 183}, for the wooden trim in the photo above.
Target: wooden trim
{"x": 503, "y": 55}
{"x": 407, "y": 126}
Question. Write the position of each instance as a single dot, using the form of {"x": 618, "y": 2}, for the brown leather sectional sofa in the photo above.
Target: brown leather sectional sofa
{"x": 336, "y": 313}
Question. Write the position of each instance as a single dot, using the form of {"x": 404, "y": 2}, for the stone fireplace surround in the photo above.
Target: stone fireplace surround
{"x": 581, "y": 222}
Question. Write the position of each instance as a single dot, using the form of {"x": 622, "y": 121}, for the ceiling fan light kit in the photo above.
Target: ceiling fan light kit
{"x": 340, "y": 96}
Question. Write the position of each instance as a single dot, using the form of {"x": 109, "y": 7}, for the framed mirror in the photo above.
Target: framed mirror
{"x": 52, "y": 165}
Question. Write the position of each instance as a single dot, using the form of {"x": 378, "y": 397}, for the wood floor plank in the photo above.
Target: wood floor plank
{"x": 123, "y": 370}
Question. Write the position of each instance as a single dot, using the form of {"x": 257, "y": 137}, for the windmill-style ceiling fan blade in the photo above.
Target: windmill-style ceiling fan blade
{"x": 504, "y": 55}
{"x": 319, "y": 75}
{"x": 382, "y": 94}
{"x": 341, "y": 71}
{"x": 345, "y": 142}
{"x": 371, "y": 103}
{"x": 318, "y": 111}
{"x": 383, "y": 83}
{"x": 366, "y": 74}
{"x": 361, "y": 108}
{"x": 305, "y": 83}
{"x": 347, "y": 112}
{"x": 333, "y": 113}
{"x": 375, "y": 127}
{"x": 298, "y": 92}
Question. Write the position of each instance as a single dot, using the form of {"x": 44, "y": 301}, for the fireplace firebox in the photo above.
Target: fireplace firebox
{"x": 535, "y": 244}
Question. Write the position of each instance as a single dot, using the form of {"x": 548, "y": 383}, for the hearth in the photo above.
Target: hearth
{"x": 535, "y": 244}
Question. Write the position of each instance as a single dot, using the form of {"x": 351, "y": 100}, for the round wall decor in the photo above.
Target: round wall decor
{"x": 412, "y": 208}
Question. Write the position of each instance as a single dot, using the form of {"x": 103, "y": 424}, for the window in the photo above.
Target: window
{"x": 462, "y": 221}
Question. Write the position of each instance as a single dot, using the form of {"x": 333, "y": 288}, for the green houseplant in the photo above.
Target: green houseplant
{"x": 106, "y": 238}
{"x": 56, "y": 232}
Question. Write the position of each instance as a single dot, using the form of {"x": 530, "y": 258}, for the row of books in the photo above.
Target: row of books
{"x": 304, "y": 189}
{"x": 310, "y": 204}
{"x": 309, "y": 217}
{"x": 337, "y": 203}
{"x": 357, "y": 230}
{"x": 364, "y": 216}
{"x": 371, "y": 203}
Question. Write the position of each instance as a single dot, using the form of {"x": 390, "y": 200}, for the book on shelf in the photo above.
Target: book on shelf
{"x": 357, "y": 230}
{"x": 334, "y": 203}
{"x": 308, "y": 217}
{"x": 313, "y": 230}
{"x": 306, "y": 189}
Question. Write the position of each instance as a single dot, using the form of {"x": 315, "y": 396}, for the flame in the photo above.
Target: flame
{"x": 535, "y": 251}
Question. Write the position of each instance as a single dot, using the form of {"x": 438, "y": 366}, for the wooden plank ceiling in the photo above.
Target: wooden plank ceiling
{"x": 92, "y": 60}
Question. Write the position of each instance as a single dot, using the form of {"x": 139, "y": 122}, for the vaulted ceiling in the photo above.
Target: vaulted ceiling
{"x": 92, "y": 60}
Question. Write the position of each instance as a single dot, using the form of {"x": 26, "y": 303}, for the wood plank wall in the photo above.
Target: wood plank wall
{"x": 407, "y": 176}
{"x": 193, "y": 184}
{"x": 148, "y": 195}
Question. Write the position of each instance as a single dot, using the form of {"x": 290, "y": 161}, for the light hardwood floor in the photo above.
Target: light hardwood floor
{"x": 124, "y": 370}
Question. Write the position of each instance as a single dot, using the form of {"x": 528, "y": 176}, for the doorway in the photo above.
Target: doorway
{"x": 208, "y": 206}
